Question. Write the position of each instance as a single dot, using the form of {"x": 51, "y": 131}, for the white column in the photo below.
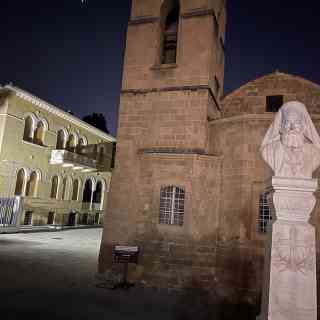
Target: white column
{"x": 289, "y": 287}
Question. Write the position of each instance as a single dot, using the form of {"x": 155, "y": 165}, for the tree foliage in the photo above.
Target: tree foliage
{"x": 97, "y": 120}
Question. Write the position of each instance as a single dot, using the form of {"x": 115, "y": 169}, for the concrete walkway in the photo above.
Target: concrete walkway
{"x": 51, "y": 275}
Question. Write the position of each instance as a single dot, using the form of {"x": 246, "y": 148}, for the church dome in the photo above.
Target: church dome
{"x": 268, "y": 92}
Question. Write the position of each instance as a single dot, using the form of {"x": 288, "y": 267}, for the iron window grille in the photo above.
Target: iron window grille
{"x": 172, "y": 205}
{"x": 264, "y": 213}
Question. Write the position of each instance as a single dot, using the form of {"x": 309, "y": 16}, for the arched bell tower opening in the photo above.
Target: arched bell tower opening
{"x": 170, "y": 12}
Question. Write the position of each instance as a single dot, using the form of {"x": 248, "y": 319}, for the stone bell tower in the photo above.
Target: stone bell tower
{"x": 165, "y": 188}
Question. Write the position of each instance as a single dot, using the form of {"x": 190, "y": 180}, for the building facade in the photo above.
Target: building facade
{"x": 189, "y": 183}
{"x": 55, "y": 165}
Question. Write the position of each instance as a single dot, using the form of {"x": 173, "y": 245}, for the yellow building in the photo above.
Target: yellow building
{"x": 55, "y": 169}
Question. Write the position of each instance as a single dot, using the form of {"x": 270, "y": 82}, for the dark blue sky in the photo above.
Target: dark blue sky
{"x": 70, "y": 53}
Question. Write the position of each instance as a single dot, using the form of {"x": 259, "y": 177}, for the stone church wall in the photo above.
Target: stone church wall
{"x": 237, "y": 137}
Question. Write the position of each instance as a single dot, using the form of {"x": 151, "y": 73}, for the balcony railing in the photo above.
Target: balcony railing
{"x": 74, "y": 160}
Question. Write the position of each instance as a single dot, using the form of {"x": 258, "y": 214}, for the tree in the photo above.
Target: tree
{"x": 97, "y": 120}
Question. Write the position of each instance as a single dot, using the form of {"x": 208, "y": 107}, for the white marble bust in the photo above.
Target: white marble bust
{"x": 291, "y": 146}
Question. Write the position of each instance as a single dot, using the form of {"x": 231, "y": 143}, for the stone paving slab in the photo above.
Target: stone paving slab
{"x": 51, "y": 275}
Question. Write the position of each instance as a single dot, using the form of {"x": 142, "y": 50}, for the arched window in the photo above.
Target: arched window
{"x": 54, "y": 187}
{"x": 65, "y": 188}
{"x": 32, "y": 185}
{"x": 20, "y": 183}
{"x": 172, "y": 205}
{"x": 80, "y": 145}
{"x": 264, "y": 212}
{"x": 61, "y": 140}
{"x": 87, "y": 191}
{"x": 97, "y": 195}
{"x": 71, "y": 144}
{"x": 170, "y": 12}
{"x": 39, "y": 134}
{"x": 101, "y": 154}
{"x": 75, "y": 190}
{"x": 28, "y": 129}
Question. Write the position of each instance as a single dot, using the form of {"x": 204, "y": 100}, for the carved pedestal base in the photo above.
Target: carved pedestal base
{"x": 289, "y": 288}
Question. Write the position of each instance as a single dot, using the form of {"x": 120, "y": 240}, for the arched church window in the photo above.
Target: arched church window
{"x": 39, "y": 134}
{"x": 20, "y": 183}
{"x": 170, "y": 25}
{"x": 28, "y": 129}
{"x": 264, "y": 212}
{"x": 172, "y": 205}
{"x": 54, "y": 187}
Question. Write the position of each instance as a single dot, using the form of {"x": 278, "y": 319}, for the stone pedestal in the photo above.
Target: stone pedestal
{"x": 290, "y": 287}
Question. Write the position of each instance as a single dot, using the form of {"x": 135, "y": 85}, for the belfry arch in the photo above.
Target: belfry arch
{"x": 169, "y": 26}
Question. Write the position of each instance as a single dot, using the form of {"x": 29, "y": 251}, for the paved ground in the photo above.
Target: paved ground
{"x": 50, "y": 275}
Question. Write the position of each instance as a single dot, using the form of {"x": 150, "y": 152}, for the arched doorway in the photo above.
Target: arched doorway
{"x": 75, "y": 190}
{"x": 87, "y": 191}
{"x": 72, "y": 218}
{"x": 97, "y": 196}
{"x": 54, "y": 187}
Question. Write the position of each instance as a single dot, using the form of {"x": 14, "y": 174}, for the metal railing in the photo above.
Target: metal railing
{"x": 10, "y": 210}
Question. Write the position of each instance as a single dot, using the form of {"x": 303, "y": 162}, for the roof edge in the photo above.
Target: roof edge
{"x": 57, "y": 111}
{"x": 272, "y": 74}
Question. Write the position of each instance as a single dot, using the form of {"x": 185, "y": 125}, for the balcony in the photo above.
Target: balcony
{"x": 73, "y": 160}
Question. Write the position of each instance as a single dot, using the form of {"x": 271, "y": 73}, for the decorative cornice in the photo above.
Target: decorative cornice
{"x": 198, "y": 13}
{"x": 267, "y": 116}
{"x": 174, "y": 88}
{"x": 141, "y": 20}
{"x": 174, "y": 152}
{"x": 58, "y": 112}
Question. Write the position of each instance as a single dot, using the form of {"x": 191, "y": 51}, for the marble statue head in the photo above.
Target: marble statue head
{"x": 293, "y": 124}
{"x": 291, "y": 146}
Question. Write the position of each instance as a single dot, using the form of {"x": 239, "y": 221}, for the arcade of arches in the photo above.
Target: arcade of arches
{"x": 91, "y": 196}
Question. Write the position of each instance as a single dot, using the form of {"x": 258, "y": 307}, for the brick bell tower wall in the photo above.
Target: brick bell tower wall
{"x": 167, "y": 101}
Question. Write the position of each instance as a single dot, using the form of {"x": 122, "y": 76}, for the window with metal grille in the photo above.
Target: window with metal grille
{"x": 172, "y": 205}
{"x": 264, "y": 213}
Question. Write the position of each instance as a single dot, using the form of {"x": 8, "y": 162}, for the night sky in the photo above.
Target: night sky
{"x": 70, "y": 53}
